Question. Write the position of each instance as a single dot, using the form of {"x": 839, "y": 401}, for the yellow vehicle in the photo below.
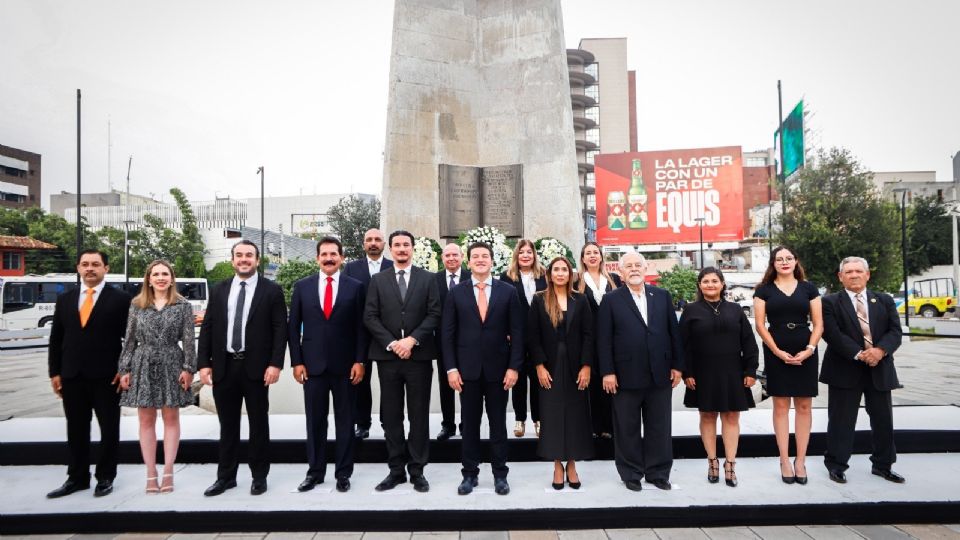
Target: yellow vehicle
{"x": 930, "y": 297}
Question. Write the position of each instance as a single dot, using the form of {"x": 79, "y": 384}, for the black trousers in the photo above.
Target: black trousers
{"x": 647, "y": 452}
{"x": 406, "y": 380}
{"x": 365, "y": 397}
{"x": 81, "y": 398}
{"x": 601, "y": 412}
{"x": 316, "y": 399}
{"x": 527, "y": 380}
{"x": 448, "y": 399}
{"x": 472, "y": 399}
{"x": 843, "y": 405}
{"x": 230, "y": 394}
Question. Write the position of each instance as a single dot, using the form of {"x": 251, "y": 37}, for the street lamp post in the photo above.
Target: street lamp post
{"x": 700, "y": 221}
{"x": 126, "y": 249}
{"x": 263, "y": 226}
{"x": 903, "y": 252}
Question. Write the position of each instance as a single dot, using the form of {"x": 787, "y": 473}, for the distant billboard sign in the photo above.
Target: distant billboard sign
{"x": 308, "y": 224}
{"x": 656, "y": 197}
{"x": 792, "y": 141}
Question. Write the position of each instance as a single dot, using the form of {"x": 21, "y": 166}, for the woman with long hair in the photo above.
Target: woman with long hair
{"x": 526, "y": 274}
{"x": 560, "y": 340}
{"x": 595, "y": 281}
{"x": 786, "y": 306}
{"x": 156, "y": 372}
{"x": 721, "y": 365}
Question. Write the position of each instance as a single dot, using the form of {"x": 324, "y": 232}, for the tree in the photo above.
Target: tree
{"x": 292, "y": 271}
{"x": 834, "y": 211}
{"x": 221, "y": 271}
{"x": 53, "y": 229}
{"x": 13, "y": 222}
{"x": 188, "y": 259}
{"x": 928, "y": 235}
{"x": 349, "y": 219}
{"x": 680, "y": 282}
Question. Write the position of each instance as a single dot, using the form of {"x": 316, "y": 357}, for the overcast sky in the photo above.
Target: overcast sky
{"x": 203, "y": 93}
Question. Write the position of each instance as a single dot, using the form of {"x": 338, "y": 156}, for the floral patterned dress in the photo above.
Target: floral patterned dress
{"x": 153, "y": 357}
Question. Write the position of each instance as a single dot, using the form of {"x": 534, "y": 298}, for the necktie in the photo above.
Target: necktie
{"x": 482, "y": 301}
{"x": 237, "y": 341}
{"x": 402, "y": 283}
{"x": 328, "y": 298}
{"x": 86, "y": 308}
{"x": 864, "y": 323}
{"x": 453, "y": 283}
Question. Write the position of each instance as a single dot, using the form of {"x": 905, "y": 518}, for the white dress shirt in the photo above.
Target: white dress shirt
{"x": 451, "y": 275}
{"x": 640, "y": 299}
{"x": 232, "y": 308}
{"x": 488, "y": 290}
{"x": 322, "y": 287}
{"x": 374, "y": 265}
{"x": 595, "y": 289}
{"x": 529, "y": 285}
{"x": 96, "y": 293}
{"x": 853, "y": 300}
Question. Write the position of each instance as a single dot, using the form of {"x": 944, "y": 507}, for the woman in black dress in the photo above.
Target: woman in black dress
{"x": 560, "y": 341}
{"x": 789, "y": 305}
{"x": 594, "y": 282}
{"x": 526, "y": 274}
{"x": 721, "y": 365}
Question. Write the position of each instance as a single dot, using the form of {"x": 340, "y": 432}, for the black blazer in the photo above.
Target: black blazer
{"x": 617, "y": 283}
{"x": 442, "y": 283}
{"x": 841, "y": 331}
{"x": 266, "y": 330}
{"x": 360, "y": 269}
{"x": 640, "y": 354}
{"x": 489, "y": 347}
{"x": 92, "y": 351}
{"x": 542, "y": 339}
{"x": 323, "y": 345}
{"x": 540, "y": 284}
{"x": 388, "y": 318}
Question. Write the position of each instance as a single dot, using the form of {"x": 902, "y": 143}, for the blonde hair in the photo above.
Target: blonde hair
{"x": 581, "y": 283}
{"x": 146, "y": 297}
{"x": 513, "y": 271}
{"x": 550, "y": 301}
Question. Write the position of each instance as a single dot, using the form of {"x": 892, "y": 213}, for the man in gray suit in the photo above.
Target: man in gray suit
{"x": 402, "y": 311}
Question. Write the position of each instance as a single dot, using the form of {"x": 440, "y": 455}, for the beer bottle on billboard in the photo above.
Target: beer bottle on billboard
{"x": 637, "y": 198}
{"x": 616, "y": 215}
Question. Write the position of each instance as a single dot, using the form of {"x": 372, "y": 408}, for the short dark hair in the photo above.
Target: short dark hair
{"x": 400, "y": 232}
{"x": 330, "y": 240}
{"x": 245, "y": 242}
{"x": 481, "y": 245}
{"x": 103, "y": 256}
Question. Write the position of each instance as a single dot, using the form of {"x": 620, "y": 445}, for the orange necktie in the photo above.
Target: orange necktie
{"x": 86, "y": 308}
{"x": 482, "y": 301}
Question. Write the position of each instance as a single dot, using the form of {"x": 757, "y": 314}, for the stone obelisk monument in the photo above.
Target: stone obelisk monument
{"x": 480, "y": 83}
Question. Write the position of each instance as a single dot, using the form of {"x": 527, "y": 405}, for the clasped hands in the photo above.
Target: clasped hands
{"x": 871, "y": 356}
{"x": 794, "y": 359}
{"x": 403, "y": 347}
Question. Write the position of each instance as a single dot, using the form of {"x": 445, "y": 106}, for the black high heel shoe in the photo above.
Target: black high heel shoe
{"x": 558, "y": 486}
{"x": 788, "y": 479}
{"x": 713, "y": 470}
{"x": 802, "y": 480}
{"x": 730, "y": 476}
{"x": 574, "y": 485}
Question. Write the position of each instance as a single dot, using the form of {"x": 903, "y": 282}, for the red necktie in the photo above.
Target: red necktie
{"x": 328, "y": 298}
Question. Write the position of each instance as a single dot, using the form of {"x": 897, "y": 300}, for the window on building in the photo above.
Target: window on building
{"x": 591, "y": 180}
{"x": 591, "y": 202}
{"x": 12, "y": 260}
{"x": 593, "y": 91}
{"x": 593, "y": 135}
{"x": 591, "y": 155}
{"x": 593, "y": 70}
{"x": 593, "y": 113}
{"x": 756, "y": 162}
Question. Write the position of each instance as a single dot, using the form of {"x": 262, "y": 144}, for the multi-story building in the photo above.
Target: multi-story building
{"x": 19, "y": 178}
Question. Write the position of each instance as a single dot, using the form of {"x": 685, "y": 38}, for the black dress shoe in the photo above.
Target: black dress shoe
{"x": 343, "y": 484}
{"x": 887, "y": 474}
{"x": 258, "y": 487}
{"x": 446, "y": 433}
{"x": 633, "y": 485}
{"x": 556, "y": 486}
{"x": 661, "y": 484}
{"x": 501, "y": 486}
{"x": 309, "y": 483}
{"x": 391, "y": 482}
{"x": 467, "y": 485}
{"x": 838, "y": 477}
{"x": 420, "y": 483}
{"x": 104, "y": 487}
{"x": 67, "y": 488}
{"x": 362, "y": 432}
{"x": 219, "y": 487}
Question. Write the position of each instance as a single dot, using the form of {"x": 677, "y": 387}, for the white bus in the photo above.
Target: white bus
{"x": 28, "y": 301}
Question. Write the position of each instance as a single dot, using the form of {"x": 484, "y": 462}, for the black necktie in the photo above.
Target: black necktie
{"x": 237, "y": 341}
{"x": 452, "y": 282}
{"x": 403, "y": 284}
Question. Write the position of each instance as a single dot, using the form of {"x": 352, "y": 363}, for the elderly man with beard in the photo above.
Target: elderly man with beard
{"x": 641, "y": 361}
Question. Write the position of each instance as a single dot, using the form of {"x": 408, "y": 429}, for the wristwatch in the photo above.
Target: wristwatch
{"x": 812, "y": 347}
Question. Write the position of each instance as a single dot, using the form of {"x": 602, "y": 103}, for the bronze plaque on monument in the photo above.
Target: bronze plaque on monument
{"x": 459, "y": 199}
{"x": 475, "y": 196}
{"x": 502, "y": 203}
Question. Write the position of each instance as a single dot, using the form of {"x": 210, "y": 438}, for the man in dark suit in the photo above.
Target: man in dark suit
{"x": 362, "y": 270}
{"x": 862, "y": 331}
{"x": 482, "y": 338}
{"x": 327, "y": 358}
{"x": 448, "y": 278}
{"x": 640, "y": 359}
{"x": 240, "y": 352}
{"x": 401, "y": 313}
{"x": 85, "y": 344}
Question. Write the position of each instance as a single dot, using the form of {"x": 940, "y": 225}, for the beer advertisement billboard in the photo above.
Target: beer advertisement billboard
{"x": 656, "y": 197}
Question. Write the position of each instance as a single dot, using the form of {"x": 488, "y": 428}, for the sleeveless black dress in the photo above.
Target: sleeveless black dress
{"x": 788, "y": 323}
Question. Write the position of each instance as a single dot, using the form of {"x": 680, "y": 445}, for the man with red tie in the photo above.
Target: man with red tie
{"x": 328, "y": 343}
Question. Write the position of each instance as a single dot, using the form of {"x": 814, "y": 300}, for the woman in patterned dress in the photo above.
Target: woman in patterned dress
{"x": 156, "y": 372}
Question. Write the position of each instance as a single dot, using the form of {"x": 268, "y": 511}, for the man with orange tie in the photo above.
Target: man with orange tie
{"x": 85, "y": 344}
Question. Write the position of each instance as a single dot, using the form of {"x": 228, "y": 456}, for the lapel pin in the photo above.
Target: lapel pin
{"x": 873, "y": 300}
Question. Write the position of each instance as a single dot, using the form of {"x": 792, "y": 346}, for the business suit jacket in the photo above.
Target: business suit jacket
{"x": 541, "y": 336}
{"x": 388, "y": 318}
{"x": 93, "y": 351}
{"x": 617, "y": 283}
{"x": 442, "y": 283}
{"x": 327, "y": 346}
{"x": 266, "y": 330}
{"x": 841, "y": 330}
{"x": 360, "y": 270}
{"x": 640, "y": 353}
{"x": 476, "y": 347}
{"x": 541, "y": 284}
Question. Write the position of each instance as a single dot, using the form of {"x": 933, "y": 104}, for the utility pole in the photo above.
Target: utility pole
{"x": 79, "y": 221}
